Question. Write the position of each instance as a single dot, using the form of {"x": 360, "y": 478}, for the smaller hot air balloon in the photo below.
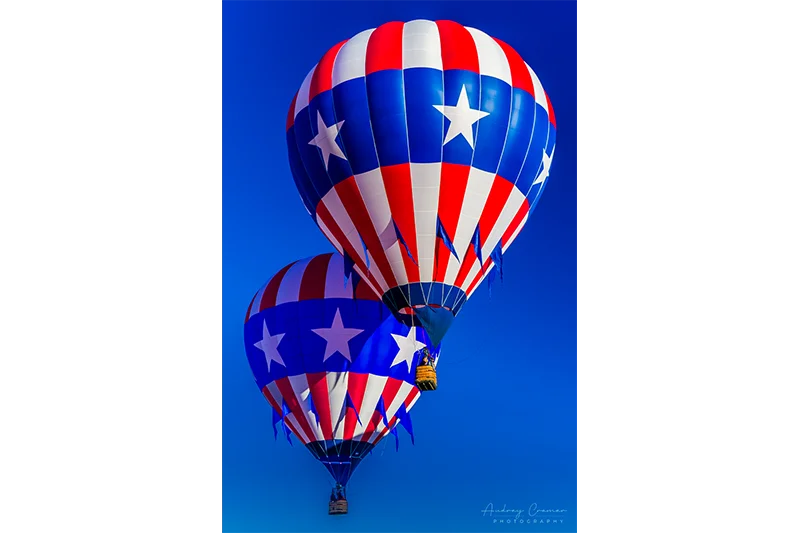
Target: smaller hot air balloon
{"x": 337, "y": 367}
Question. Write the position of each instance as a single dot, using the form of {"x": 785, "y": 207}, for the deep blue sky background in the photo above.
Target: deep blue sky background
{"x": 502, "y": 426}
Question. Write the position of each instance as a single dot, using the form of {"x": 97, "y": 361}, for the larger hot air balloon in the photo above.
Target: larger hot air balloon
{"x": 337, "y": 368}
{"x": 419, "y": 149}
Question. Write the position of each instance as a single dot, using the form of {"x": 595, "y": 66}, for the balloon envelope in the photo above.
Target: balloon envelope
{"x": 419, "y": 149}
{"x": 337, "y": 368}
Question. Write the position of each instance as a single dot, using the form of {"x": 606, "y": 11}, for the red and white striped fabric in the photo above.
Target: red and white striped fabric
{"x": 426, "y": 135}
{"x": 331, "y": 353}
{"x": 336, "y": 422}
{"x": 313, "y": 278}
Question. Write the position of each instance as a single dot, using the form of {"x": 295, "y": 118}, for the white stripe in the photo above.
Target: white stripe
{"x": 510, "y": 209}
{"x": 487, "y": 270}
{"x": 343, "y": 222}
{"x": 342, "y": 219}
{"x": 377, "y": 290}
{"x": 373, "y": 192}
{"x": 335, "y": 285}
{"x": 336, "y": 244}
{"x": 351, "y": 62}
{"x": 376, "y": 272}
{"x": 516, "y": 232}
{"x": 474, "y": 272}
{"x": 257, "y": 301}
{"x": 414, "y": 399}
{"x": 305, "y": 206}
{"x": 276, "y": 393}
{"x": 396, "y": 423}
{"x": 372, "y": 392}
{"x": 538, "y": 90}
{"x": 421, "y": 45}
{"x": 341, "y": 251}
{"x": 391, "y": 409}
{"x": 492, "y": 61}
{"x": 289, "y": 289}
{"x": 302, "y": 94}
{"x": 479, "y": 183}
{"x": 302, "y": 391}
{"x": 485, "y": 273}
{"x": 425, "y": 181}
{"x": 337, "y": 388}
{"x": 365, "y": 279}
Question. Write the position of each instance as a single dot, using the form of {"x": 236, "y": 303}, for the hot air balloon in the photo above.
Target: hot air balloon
{"x": 419, "y": 149}
{"x": 337, "y": 368}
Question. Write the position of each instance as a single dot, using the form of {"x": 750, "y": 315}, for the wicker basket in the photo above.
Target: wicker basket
{"x": 426, "y": 378}
{"x": 337, "y": 507}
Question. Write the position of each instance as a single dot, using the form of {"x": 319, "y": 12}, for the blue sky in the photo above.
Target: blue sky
{"x": 501, "y": 429}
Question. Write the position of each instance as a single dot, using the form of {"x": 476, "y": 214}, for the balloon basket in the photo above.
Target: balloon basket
{"x": 426, "y": 378}
{"x": 337, "y": 507}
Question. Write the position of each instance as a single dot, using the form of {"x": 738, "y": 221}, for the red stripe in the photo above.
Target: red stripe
{"x": 293, "y": 403}
{"x": 385, "y": 431}
{"x": 400, "y": 195}
{"x": 495, "y": 202}
{"x": 312, "y": 285}
{"x": 388, "y": 394}
{"x": 271, "y": 292}
{"x": 516, "y": 221}
{"x": 371, "y": 425}
{"x": 458, "y": 47}
{"x": 321, "y": 80}
{"x": 365, "y": 292}
{"x": 318, "y": 385}
{"x": 452, "y": 186}
{"x": 290, "y": 116}
{"x": 551, "y": 113}
{"x": 356, "y": 384}
{"x": 478, "y": 278}
{"x": 520, "y": 76}
{"x": 277, "y": 406}
{"x": 410, "y": 398}
{"x": 350, "y": 195}
{"x": 340, "y": 241}
{"x": 249, "y": 307}
{"x": 385, "y": 48}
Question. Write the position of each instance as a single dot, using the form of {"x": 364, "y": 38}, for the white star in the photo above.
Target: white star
{"x": 461, "y": 118}
{"x": 337, "y": 337}
{"x": 546, "y": 161}
{"x": 269, "y": 345}
{"x": 408, "y": 345}
{"x": 326, "y": 140}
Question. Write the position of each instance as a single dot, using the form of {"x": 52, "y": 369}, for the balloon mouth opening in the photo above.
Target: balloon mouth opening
{"x": 434, "y": 319}
{"x": 411, "y": 309}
